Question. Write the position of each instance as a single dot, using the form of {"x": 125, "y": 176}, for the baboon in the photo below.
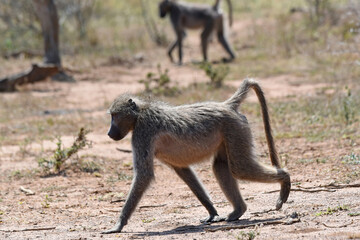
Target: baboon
{"x": 183, "y": 135}
{"x": 209, "y": 18}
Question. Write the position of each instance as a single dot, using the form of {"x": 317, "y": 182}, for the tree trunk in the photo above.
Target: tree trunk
{"x": 48, "y": 17}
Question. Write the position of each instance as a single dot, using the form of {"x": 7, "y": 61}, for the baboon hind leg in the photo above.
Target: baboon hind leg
{"x": 243, "y": 165}
{"x": 228, "y": 185}
{"x": 189, "y": 177}
{"x": 223, "y": 40}
{"x": 171, "y": 49}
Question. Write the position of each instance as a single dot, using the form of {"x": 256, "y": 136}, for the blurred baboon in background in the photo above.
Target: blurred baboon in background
{"x": 209, "y": 18}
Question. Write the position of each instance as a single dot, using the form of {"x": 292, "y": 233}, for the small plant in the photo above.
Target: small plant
{"x": 352, "y": 158}
{"x": 159, "y": 84}
{"x": 348, "y": 107}
{"x": 46, "y": 202}
{"x": 148, "y": 220}
{"x": 25, "y": 147}
{"x": 248, "y": 235}
{"x": 320, "y": 160}
{"x": 89, "y": 166}
{"x": 123, "y": 176}
{"x": 17, "y": 174}
{"x": 56, "y": 163}
{"x": 217, "y": 75}
{"x": 330, "y": 210}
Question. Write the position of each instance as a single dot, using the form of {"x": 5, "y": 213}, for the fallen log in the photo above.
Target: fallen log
{"x": 35, "y": 74}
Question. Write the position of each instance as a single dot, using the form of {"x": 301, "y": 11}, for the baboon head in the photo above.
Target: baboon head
{"x": 124, "y": 113}
{"x": 164, "y": 7}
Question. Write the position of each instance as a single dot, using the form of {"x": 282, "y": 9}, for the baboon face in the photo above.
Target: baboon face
{"x": 164, "y": 8}
{"x": 123, "y": 118}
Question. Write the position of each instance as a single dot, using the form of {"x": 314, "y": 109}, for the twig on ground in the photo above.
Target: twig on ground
{"x": 117, "y": 200}
{"x": 200, "y": 205}
{"x": 29, "y": 229}
{"x": 339, "y": 226}
{"x": 124, "y": 150}
{"x": 152, "y": 206}
{"x": 262, "y": 212}
{"x": 300, "y": 189}
{"x": 331, "y": 187}
{"x": 111, "y": 210}
{"x": 274, "y": 222}
{"x": 339, "y": 186}
{"x": 312, "y": 190}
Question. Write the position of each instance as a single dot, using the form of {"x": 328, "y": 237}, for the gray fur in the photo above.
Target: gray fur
{"x": 183, "y": 135}
{"x": 185, "y": 16}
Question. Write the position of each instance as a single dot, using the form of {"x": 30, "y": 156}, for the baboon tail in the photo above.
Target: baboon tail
{"x": 230, "y": 12}
{"x": 239, "y": 96}
{"x": 216, "y": 7}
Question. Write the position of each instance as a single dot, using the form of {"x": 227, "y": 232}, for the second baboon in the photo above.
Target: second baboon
{"x": 183, "y": 135}
{"x": 185, "y": 16}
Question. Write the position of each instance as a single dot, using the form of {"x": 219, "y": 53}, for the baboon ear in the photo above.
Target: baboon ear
{"x": 132, "y": 105}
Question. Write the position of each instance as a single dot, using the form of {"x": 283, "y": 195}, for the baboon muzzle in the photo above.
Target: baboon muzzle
{"x": 114, "y": 133}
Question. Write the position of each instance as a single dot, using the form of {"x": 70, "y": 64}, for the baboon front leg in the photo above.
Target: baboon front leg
{"x": 205, "y": 35}
{"x": 138, "y": 187}
{"x": 189, "y": 177}
{"x": 228, "y": 185}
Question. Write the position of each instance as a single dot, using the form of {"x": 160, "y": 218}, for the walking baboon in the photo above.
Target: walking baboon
{"x": 209, "y": 18}
{"x": 182, "y": 135}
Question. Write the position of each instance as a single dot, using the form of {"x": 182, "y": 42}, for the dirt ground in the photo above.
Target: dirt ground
{"x": 80, "y": 205}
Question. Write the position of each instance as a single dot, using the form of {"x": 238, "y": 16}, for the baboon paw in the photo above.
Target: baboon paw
{"x": 284, "y": 194}
{"x": 231, "y": 219}
{"x": 227, "y": 60}
{"x": 279, "y": 204}
{"x": 212, "y": 219}
{"x": 234, "y": 216}
{"x": 116, "y": 229}
{"x": 111, "y": 231}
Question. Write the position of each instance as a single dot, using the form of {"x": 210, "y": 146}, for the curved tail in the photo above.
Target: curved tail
{"x": 216, "y": 8}
{"x": 239, "y": 96}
